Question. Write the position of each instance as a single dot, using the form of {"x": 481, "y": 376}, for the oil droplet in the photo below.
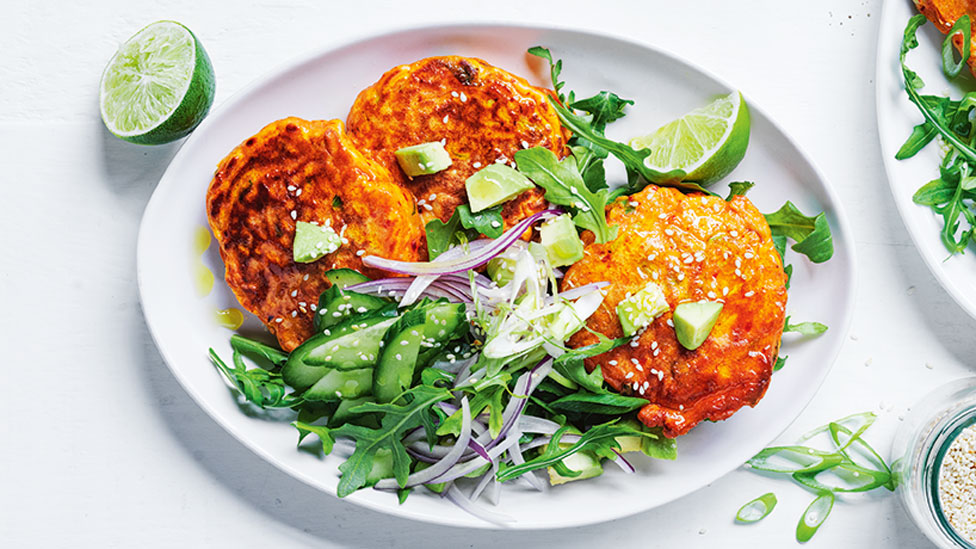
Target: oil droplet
{"x": 229, "y": 318}
{"x": 203, "y": 279}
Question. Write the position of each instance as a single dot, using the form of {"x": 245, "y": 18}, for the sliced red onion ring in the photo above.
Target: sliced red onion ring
{"x": 515, "y": 454}
{"x": 620, "y": 460}
{"x": 524, "y": 387}
{"x": 463, "y": 468}
{"x": 470, "y": 261}
{"x": 486, "y": 479}
{"x": 533, "y": 424}
{"x": 446, "y": 463}
{"x": 455, "y": 496}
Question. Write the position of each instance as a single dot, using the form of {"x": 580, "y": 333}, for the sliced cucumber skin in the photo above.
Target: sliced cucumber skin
{"x": 351, "y": 350}
{"x": 337, "y": 305}
{"x": 395, "y": 369}
{"x": 301, "y": 373}
{"x": 342, "y": 414}
{"x": 345, "y": 277}
{"x": 341, "y": 384}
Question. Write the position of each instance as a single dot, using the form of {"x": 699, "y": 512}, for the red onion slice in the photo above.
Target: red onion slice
{"x": 472, "y": 260}
{"x": 455, "y": 496}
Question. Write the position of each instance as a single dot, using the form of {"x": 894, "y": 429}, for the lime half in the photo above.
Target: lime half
{"x": 158, "y": 86}
{"x": 707, "y": 143}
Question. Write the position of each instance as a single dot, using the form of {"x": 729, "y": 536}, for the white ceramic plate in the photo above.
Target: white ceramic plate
{"x": 324, "y": 85}
{"x": 896, "y": 118}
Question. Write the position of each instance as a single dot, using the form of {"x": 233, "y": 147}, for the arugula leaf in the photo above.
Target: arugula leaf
{"x": 564, "y": 186}
{"x": 607, "y": 403}
{"x": 259, "y": 386}
{"x": 739, "y": 188}
{"x": 487, "y": 222}
{"x": 598, "y": 439}
{"x": 555, "y": 68}
{"x": 811, "y": 234}
{"x": 604, "y": 108}
{"x": 805, "y": 328}
{"x": 659, "y": 446}
{"x": 463, "y": 226}
{"x": 440, "y": 235}
{"x": 410, "y": 410}
{"x": 324, "y": 434}
{"x": 256, "y": 349}
{"x": 780, "y": 362}
{"x": 570, "y": 364}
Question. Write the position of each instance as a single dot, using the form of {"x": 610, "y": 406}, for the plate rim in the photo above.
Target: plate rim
{"x": 919, "y": 241}
{"x": 841, "y": 226}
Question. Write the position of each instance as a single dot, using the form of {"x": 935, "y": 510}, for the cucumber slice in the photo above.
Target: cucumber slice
{"x": 443, "y": 323}
{"x": 341, "y": 384}
{"x": 337, "y": 305}
{"x": 351, "y": 350}
{"x": 394, "y": 372}
{"x": 300, "y": 373}
{"x": 345, "y": 277}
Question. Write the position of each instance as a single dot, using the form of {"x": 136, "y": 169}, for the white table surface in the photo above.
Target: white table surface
{"x": 99, "y": 445}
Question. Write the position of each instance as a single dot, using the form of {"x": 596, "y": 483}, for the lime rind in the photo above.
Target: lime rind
{"x": 158, "y": 87}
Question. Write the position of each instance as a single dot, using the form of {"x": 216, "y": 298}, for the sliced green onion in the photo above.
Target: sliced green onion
{"x": 856, "y": 443}
{"x": 793, "y": 459}
{"x": 850, "y": 478}
{"x": 757, "y": 509}
{"x": 949, "y": 65}
{"x": 814, "y": 516}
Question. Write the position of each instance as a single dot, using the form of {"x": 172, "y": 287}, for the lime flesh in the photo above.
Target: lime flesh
{"x": 707, "y": 143}
{"x": 158, "y": 87}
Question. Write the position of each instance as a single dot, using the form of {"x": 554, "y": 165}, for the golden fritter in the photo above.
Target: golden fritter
{"x": 483, "y": 114}
{"x": 944, "y": 13}
{"x": 296, "y": 170}
{"x": 695, "y": 247}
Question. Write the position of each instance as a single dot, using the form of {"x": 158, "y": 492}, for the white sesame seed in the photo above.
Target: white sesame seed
{"x": 464, "y": 98}
{"x": 444, "y": 120}
{"x": 629, "y": 375}
{"x": 359, "y": 253}
{"x": 294, "y": 293}
{"x": 476, "y": 165}
{"x": 454, "y": 94}
{"x": 613, "y": 362}
{"x": 278, "y": 320}
{"x": 294, "y": 214}
{"x": 750, "y": 293}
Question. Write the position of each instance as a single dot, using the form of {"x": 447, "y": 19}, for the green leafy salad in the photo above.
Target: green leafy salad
{"x": 454, "y": 376}
{"x": 952, "y": 194}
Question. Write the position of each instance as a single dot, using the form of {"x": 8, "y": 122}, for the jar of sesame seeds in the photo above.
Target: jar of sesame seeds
{"x": 934, "y": 462}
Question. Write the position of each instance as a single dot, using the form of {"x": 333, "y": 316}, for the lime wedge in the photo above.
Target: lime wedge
{"x": 158, "y": 86}
{"x": 707, "y": 143}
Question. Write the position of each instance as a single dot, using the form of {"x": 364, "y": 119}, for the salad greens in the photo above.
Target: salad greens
{"x": 953, "y": 193}
{"x": 463, "y": 226}
{"x": 850, "y": 465}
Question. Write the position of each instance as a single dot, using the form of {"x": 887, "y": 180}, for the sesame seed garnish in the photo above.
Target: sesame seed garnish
{"x": 629, "y": 375}
{"x": 476, "y": 165}
{"x": 464, "y": 98}
{"x": 613, "y": 362}
{"x": 359, "y": 253}
{"x": 453, "y": 94}
{"x": 298, "y": 192}
{"x": 294, "y": 293}
{"x": 294, "y": 214}
{"x": 444, "y": 120}
{"x": 525, "y": 144}
{"x": 750, "y": 293}
{"x": 278, "y": 320}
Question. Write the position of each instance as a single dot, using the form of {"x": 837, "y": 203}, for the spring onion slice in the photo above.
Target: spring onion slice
{"x": 851, "y": 478}
{"x": 793, "y": 459}
{"x": 757, "y": 509}
{"x": 478, "y": 256}
{"x": 814, "y": 516}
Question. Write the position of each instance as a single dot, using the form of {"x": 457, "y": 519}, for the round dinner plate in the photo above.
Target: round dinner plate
{"x": 323, "y": 85}
{"x": 896, "y": 118}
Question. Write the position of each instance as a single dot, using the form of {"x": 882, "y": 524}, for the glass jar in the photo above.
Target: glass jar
{"x": 918, "y": 450}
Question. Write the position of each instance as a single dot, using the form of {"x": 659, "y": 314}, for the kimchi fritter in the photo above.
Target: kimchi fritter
{"x": 695, "y": 247}
{"x": 481, "y": 113}
{"x": 298, "y": 170}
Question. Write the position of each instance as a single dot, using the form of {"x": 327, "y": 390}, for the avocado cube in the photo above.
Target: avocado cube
{"x": 423, "y": 159}
{"x": 313, "y": 241}
{"x": 493, "y": 185}
{"x": 693, "y": 322}
{"x": 561, "y": 241}
{"x": 639, "y": 310}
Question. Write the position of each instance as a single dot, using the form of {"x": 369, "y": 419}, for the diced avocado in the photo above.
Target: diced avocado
{"x": 694, "y": 321}
{"x": 561, "y": 241}
{"x": 494, "y": 184}
{"x": 586, "y": 462}
{"x": 313, "y": 241}
{"x": 423, "y": 159}
{"x": 639, "y": 310}
{"x": 630, "y": 443}
{"x": 564, "y": 322}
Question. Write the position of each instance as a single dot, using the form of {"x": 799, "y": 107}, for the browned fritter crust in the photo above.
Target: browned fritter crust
{"x": 292, "y": 170}
{"x": 482, "y": 113}
{"x": 944, "y": 13}
{"x": 696, "y": 247}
